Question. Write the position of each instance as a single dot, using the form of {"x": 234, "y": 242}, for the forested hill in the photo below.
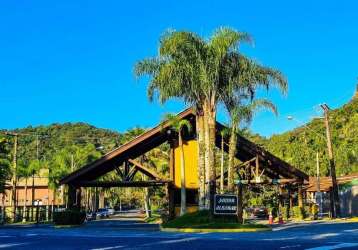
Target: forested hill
{"x": 78, "y": 139}
{"x": 300, "y": 145}
{"x": 57, "y": 142}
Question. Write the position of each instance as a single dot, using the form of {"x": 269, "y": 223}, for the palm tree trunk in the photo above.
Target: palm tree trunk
{"x": 232, "y": 153}
{"x": 25, "y": 202}
{"x": 201, "y": 159}
{"x": 222, "y": 166}
{"x": 210, "y": 111}
{"x": 206, "y": 158}
{"x": 182, "y": 177}
{"x": 146, "y": 200}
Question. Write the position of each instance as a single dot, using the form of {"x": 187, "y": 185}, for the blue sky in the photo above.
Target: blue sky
{"x": 73, "y": 61}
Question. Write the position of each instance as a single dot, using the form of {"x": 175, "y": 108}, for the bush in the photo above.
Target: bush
{"x": 69, "y": 217}
{"x": 202, "y": 219}
{"x": 285, "y": 213}
{"x": 298, "y": 212}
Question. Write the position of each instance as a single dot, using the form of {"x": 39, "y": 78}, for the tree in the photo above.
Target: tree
{"x": 5, "y": 173}
{"x": 5, "y": 165}
{"x": 178, "y": 126}
{"x": 188, "y": 67}
{"x": 240, "y": 113}
{"x": 34, "y": 168}
{"x": 24, "y": 171}
{"x": 223, "y": 133}
{"x": 246, "y": 76}
{"x": 68, "y": 160}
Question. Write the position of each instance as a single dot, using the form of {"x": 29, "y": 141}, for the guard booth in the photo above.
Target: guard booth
{"x": 127, "y": 161}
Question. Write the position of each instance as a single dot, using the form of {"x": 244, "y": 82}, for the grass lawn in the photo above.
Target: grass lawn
{"x": 201, "y": 219}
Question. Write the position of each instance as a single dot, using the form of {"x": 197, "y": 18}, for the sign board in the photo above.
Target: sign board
{"x": 225, "y": 204}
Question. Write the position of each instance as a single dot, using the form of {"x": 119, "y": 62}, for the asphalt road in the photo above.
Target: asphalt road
{"x": 130, "y": 234}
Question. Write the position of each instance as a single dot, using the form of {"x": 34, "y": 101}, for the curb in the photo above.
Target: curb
{"x": 216, "y": 230}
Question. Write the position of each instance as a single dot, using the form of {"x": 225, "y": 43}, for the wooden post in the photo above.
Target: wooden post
{"x": 300, "y": 196}
{"x": 78, "y": 197}
{"x": 335, "y": 197}
{"x": 257, "y": 165}
{"x": 289, "y": 202}
{"x": 240, "y": 204}
{"x": 71, "y": 195}
{"x": 171, "y": 204}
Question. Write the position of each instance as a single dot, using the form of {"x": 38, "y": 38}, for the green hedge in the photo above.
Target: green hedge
{"x": 69, "y": 217}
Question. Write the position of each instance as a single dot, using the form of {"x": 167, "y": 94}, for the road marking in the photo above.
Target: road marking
{"x": 342, "y": 245}
{"x": 168, "y": 242}
{"x": 292, "y": 246}
{"x": 11, "y": 245}
{"x": 108, "y": 248}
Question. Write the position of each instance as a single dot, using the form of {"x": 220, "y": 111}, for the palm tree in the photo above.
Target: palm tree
{"x": 188, "y": 68}
{"x": 24, "y": 172}
{"x": 201, "y": 72}
{"x": 223, "y": 133}
{"x": 178, "y": 126}
{"x": 34, "y": 168}
{"x": 247, "y": 76}
{"x": 242, "y": 113}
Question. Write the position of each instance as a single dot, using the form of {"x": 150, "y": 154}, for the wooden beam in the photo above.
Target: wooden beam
{"x": 148, "y": 172}
{"x": 107, "y": 184}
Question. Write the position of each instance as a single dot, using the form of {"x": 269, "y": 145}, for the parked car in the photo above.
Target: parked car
{"x": 90, "y": 216}
{"x": 260, "y": 212}
{"x": 102, "y": 212}
{"x": 110, "y": 211}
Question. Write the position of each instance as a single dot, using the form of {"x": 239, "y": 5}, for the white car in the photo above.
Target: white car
{"x": 110, "y": 211}
{"x": 102, "y": 212}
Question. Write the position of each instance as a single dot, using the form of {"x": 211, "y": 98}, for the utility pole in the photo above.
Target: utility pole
{"x": 335, "y": 198}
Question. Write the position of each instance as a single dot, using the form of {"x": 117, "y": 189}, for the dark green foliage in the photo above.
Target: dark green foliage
{"x": 4, "y": 164}
{"x": 202, "y": 219}
{"x": 69, "y": 217}
{"x": 299, "y": 146}
{"x": 298, "y": 213}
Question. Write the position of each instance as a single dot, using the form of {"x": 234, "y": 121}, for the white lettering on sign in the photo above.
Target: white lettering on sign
{"x": 221, "y": 208}
{"x": 226, "y": 200}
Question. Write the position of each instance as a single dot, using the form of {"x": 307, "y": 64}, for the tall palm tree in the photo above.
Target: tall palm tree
{"x": 223, "y": 133}
{"x": 201, "y": 72}
{"x": 247, "y": 76}
{"x": 178, "y": 126}
{"x": 242, "y": 113}
{"x": 187, "y": 67}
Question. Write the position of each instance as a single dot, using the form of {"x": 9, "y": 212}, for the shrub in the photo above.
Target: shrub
{"x": 298, "y": 212}
{"x": 285, "y": 213}
{"x": 69, "y": 217}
